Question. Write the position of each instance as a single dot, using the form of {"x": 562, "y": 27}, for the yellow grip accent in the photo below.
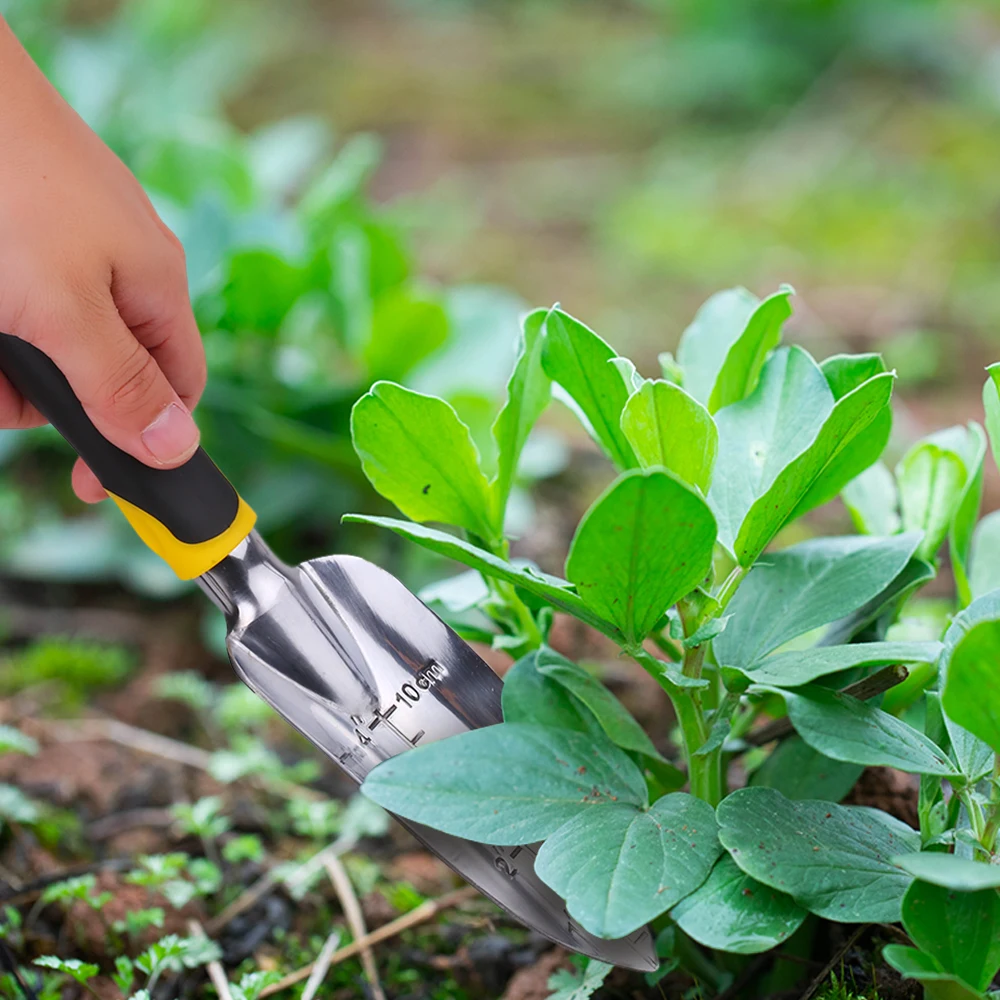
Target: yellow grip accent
{"x": 188, "y": 560}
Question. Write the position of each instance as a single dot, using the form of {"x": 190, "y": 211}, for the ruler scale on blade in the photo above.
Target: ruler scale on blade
{"x": 340, "y": 648}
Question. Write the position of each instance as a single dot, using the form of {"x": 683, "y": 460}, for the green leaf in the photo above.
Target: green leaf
{"x": 845, "y": 373}
{"x": 506, "y": 784}
{"x": 984, "y": 561}
{"x": 576, "y": 986}
{"x": 938, "y": 985}
{"x": 733, "y": 912}
{"x": 959, "y": 930}
{"x": 14, "y": 741}
{"x": 80, "y": 971}
{"x": 558, "y": 593}
{"x": 706, "y": 343}
{"x": 812, "y": 583}
{"x": 793, "y": 669}
{"x": 744, "y": 360}
{"x": 984, "y": 609}
{"x": 991, "y": 404}
{"x": 669, "y": 368}
{"x": 873, "y": 501}
{"x": 967, "y": 513}
{"x": 831, "y": 859}
{"x": 882, "y": 607}
{"x": 576, "y": 358}
{"x": 343, "y": 180}
{"x": 546, "y": 689}
{"x": 761, "y": 435}
{"x": 621, "y": 868}
{"x": 971, "y": 694}
{"x": 629, "y": 373}
{"x": 858, "y": 732}
{"x": 667, "y": 427}
{"x": 418, "y": 454}
{"x": 645, "y": 543}
{"x": 822, "y": 470}
{"x": 618, "y": 725}
{"x": 405, "y": 329}
{"x": 950, "y": 871}
{"x": 531, "y": 697}
{"x": 528, "y": 393}
{"x": 16, "y": 807}
{"x": 931, "y": 480}
{"x": 799, "y": 772}
{"x": 260, "y": 289}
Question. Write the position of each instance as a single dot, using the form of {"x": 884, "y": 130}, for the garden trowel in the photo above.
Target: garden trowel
{"x": 340, "y": 648}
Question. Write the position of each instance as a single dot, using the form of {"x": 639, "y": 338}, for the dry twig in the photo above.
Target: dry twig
{"x": 863, "y": 690}
{"x": 321, "y": 966}
{"x": 355, "y": 920}
{"x": 244, "y": 901}
{"x": 423, "y": 913}
{"x": 832, "y": 964}
{"x": 215, "y": 970}
{"x": 271, "y": 879}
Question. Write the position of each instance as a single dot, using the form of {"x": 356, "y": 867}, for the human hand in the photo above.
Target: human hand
{"x": 90, "y": 275}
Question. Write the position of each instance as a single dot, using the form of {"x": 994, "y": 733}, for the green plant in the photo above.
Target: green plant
{"x": 75, "y": 668}
{"x": 581, "y": 984}
{"x": 684, "y": 562}
{"x": 203, "y": 819}
{"x": 81, "y": 888}
{"x": 138, "y": 921}
{"x": 177, "y": 877}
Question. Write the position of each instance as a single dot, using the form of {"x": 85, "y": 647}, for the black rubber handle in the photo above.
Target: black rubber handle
{"x": 194, "y": 502}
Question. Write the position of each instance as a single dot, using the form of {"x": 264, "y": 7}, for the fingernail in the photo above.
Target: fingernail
{"x": 172, "y": 436}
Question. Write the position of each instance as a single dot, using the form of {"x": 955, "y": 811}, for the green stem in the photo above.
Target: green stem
{"x": 695, "y": 962}
{"x": 525, "y": 620}
{"x": 704, "y": 771}
{"x": 989, "y": 838}
{"x": 976, "y": 819}
{"x": 694, "y": 660}
{"x": 730, "y": 586}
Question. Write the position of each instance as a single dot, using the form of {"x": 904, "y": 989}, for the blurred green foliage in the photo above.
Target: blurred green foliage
{"x": 305, "y": 294}
{"x": 74, "y": 669}
{"x": 626, "y": 157}
{"x": 630, "y": 157}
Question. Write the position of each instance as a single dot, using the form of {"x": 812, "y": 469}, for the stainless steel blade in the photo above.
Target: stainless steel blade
{"x": 364, "y": 670}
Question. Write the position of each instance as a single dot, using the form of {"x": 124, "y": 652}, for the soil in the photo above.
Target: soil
{"x": 120, "y": 797}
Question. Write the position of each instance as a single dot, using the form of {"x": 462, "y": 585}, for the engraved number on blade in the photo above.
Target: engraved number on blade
{"x": 503, "y": 865}
{"x": 406, "y": 696}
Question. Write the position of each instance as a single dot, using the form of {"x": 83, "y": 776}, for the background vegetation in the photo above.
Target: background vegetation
{"x": 379, "y": 189}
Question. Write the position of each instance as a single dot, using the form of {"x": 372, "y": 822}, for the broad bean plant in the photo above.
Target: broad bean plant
{"x": 803, "y": 663}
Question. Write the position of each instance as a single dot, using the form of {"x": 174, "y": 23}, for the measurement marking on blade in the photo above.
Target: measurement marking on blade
{"x": 381, "y": 716}
{"x": 406, "y": 696}
{"x": 503, "y": 865}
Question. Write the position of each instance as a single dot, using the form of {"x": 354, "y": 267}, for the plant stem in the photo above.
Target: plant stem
{"x": 525, "y": 619}
{"x": 522, "y": 614}
{"x": 694, "y": 660}
{"x": 730, "y": 586}
{"x": 989, "y": 837}
{"x": 704, "y": 770}
{"x": 695, "y": 962}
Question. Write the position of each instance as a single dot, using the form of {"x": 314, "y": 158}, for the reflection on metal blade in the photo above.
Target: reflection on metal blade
{"x": 365, "y": 671}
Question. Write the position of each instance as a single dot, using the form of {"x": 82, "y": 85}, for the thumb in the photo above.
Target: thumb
{"x": 120, "y": 384}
